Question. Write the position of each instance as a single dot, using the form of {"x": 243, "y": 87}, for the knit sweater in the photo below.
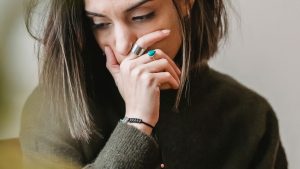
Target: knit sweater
{"x": 223, "y": 125}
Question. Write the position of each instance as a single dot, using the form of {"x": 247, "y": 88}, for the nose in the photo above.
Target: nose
{"x": 124, "y": 39}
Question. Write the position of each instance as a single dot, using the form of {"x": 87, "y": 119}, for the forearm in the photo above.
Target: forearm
{"x": 129, "y": 148}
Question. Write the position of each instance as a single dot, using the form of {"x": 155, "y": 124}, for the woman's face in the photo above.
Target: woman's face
{"x": 119, "y": 23}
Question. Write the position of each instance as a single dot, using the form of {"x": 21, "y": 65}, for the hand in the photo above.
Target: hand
{"x": 140, "y": 79}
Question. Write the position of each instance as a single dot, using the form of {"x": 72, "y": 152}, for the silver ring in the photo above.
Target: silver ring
{"x": 137, "y": 50}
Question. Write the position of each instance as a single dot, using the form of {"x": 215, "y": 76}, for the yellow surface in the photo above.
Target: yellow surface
{"x": 11, "y": 158}
{"x": 10, "y": 154}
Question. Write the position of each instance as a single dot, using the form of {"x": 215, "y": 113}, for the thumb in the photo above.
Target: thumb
{"x": 111, "y": 61}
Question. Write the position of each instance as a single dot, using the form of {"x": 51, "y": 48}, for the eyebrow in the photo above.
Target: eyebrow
{"x": 131, "y": 8}
{"x": 137, "y": 5}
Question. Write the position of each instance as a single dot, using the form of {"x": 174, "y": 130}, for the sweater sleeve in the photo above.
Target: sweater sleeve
{"x": 47, "y": 143}
{"x": 127, "y": 148}
{"x": 269, "y": 152}
{"x": 251, "y": 137}
{"x": 256, "y": 141}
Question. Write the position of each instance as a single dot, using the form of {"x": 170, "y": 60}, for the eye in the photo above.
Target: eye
{"x": 143, "y": 17}
{"x": 100, "y": 25}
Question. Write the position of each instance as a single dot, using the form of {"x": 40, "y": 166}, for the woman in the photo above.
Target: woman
{"x": 125, "y": 84}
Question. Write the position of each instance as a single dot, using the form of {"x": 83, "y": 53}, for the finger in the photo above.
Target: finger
{"x": 165, "y": 86}
{"x": 144, "y": 59}
{"x": 111, "y": 61}
{"x": 165, "y": 80}
{"x": 149, "y": 39}
{"x": 173, "y": 64}
{"x": 161, "y": 65}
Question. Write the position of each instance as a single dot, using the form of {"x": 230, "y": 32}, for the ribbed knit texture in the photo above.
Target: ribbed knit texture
{"x": 223, "y": 125}
{"x": 128, "y": 148}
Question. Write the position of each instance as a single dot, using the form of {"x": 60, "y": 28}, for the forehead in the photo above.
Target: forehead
{"x": 105, "y": 5}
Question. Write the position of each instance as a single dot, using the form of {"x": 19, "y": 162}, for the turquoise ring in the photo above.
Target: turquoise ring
{"x": 151, "y": 53}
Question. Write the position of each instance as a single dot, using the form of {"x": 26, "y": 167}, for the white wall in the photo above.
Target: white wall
{"x": 17, "y": 65}
{"x": 262, "y": 52}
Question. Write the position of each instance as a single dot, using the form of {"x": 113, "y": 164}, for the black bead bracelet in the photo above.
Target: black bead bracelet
{"x": 135, "y": 120}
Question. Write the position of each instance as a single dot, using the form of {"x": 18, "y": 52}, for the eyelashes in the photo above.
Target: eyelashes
{"x": 141, "y": 18}
{"x": 100, "y": 25}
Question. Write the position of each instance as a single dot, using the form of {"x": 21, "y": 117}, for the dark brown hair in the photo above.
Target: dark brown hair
{"x": 202, "y": 29}
{"x": 71, "y": 62}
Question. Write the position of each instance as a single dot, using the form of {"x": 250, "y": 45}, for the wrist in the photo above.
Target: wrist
{"x": 139, "y": 124}
{"x": 142, "y": 127}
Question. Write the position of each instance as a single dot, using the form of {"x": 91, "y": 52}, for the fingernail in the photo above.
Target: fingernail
{"x": 166, "y": 31}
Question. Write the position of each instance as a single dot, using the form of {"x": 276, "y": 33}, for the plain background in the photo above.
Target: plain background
{"x": 262, "y": 52}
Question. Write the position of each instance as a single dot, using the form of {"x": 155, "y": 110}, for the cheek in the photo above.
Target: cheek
{"x": 173, "y": 42}
{"x": 100, "y": 41}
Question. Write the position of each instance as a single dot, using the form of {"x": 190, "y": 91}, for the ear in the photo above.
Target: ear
{"x": 186, "y": 6}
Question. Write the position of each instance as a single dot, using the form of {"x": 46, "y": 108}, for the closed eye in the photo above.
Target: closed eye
{"x": 100, "y": 25}
{"x": 136, "y": 18}
{"x": 143, "y": 17}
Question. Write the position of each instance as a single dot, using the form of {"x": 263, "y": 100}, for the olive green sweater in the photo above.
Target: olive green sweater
{"x": 223, "y": 125}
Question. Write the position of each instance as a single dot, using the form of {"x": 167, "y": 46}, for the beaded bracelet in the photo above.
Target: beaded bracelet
{"x": 135, "y": 120}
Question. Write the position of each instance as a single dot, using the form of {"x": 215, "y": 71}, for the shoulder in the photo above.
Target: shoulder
{"x": 37, "y": 109}
{"x": 234, "y": 92}
{"x": 223, "y": 89}
{"x": 230, "y": 101}
{"x": 40, "y": 124}
{"x": 236, "y": 118}
{"x": 33, "y": 112}
{"x": 39, "y": 119}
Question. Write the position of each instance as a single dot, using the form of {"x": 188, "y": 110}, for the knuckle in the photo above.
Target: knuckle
{"x": 127, "y": 66}
{"x": 130, "y": 66}
{"x": 141, "y": 41}
{"x": 164, "y": 61}
{"x": 177, "y": 85}
{"x": 147, "y": 79}
{"x": 123, "y": 66}
{"x": 168, "y": 75}
{"x": 160, "y": 52}
{"x": 136, "y": 72}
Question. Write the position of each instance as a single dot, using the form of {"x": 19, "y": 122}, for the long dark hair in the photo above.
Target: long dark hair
{"x": 69, "y": 50}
